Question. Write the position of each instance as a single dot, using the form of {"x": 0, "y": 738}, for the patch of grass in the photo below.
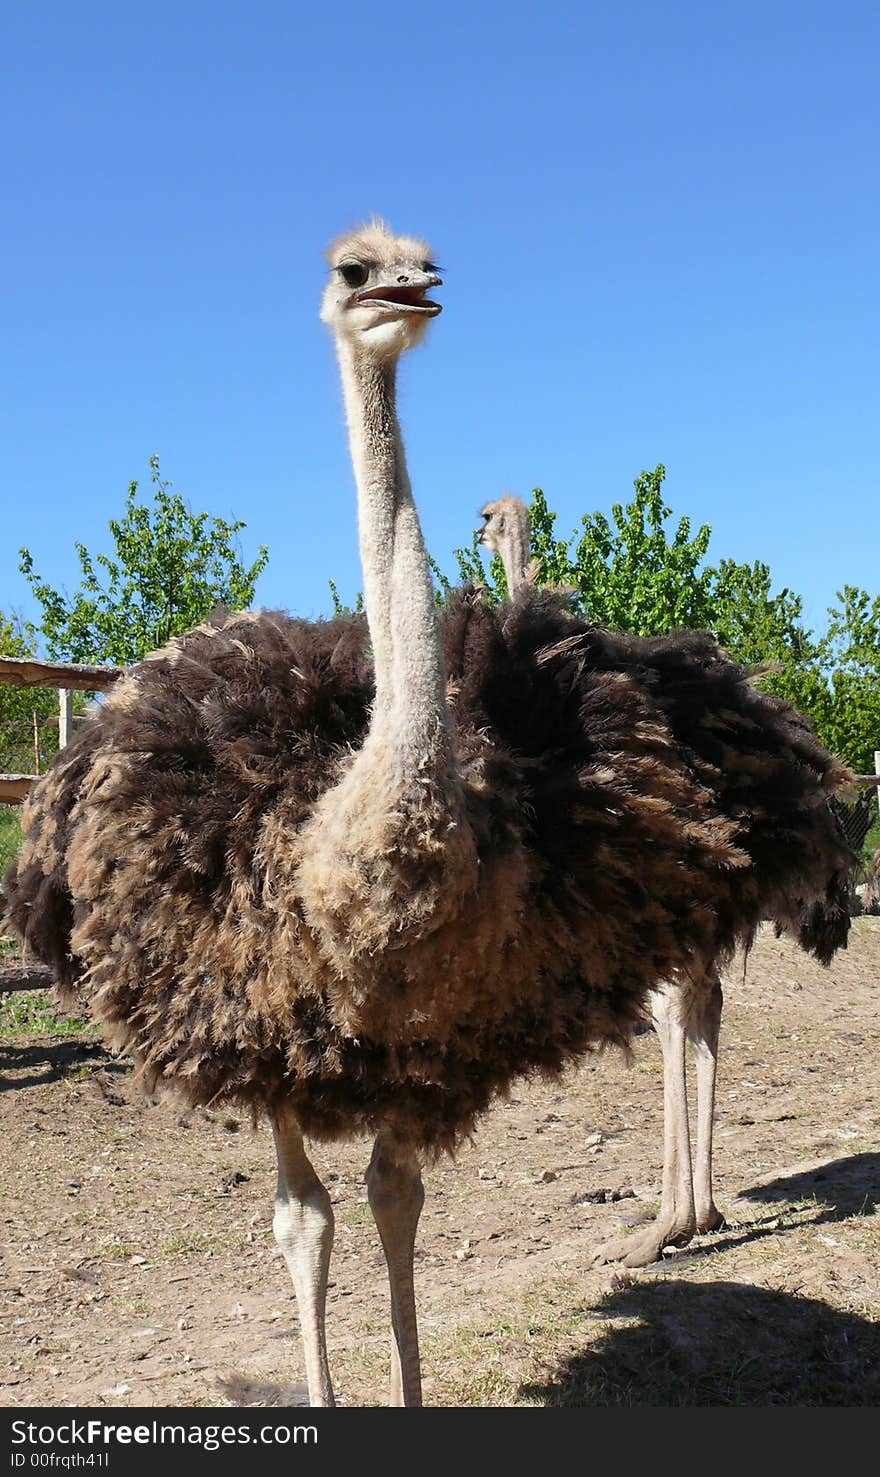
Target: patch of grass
{"x": 31, "y": 1013}
{"x": 871, "y": 842}
{"x": 354, "y": 1213}
{"x": 197, "y": 1245}
{"x": 140, "y": 1306}
{"x": 10, "y": 835}
{"x": 116, "y": 1251}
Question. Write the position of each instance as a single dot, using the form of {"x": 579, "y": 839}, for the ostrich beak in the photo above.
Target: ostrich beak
{"x": 406, "y": 296}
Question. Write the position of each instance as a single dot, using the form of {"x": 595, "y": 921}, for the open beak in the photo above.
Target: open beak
{"x": 406, "y": 297}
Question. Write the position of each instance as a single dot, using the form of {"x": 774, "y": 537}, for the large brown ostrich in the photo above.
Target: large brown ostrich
{"x": 362, "y": 900}
{"x": 770, "y": 777}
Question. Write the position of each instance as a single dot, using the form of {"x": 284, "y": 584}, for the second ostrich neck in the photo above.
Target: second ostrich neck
{"x": 514, "y": 552}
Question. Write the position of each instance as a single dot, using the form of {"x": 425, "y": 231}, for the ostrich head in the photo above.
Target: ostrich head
{"x": 503, "y": 523}
{"x": 376, "y": 293}
{"x": 505, "y": 531}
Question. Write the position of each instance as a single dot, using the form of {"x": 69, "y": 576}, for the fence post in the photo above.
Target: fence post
{"x": 65, "y": 716}
{"x": 877, "y": 772}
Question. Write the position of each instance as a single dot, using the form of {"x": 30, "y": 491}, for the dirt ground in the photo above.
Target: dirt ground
{"x": 139, "y": 1266}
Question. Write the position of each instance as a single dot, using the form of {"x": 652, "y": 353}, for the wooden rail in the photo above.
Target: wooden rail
{"x": 14, "y": 787}
{"x": 68, "y": 677}
{"x": 25, "y": 671}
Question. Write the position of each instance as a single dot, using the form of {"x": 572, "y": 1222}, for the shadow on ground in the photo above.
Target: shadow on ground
{"x": 840, "y": 1188}
{"x": 673, "y": 1343}
{"x": 849, "y": 1185}
{"x": 37, "y": 1065}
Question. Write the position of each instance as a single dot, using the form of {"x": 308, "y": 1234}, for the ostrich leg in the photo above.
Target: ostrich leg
{"x": 703, "y": 1029}
{"x": 396, "y": 1196}
{"x": 303, "y": 1226}
{"x": 671, "y": 1008}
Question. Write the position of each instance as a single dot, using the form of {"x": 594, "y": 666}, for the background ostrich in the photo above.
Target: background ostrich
{"x": 691, "y": 1011}
{"x": 871, "y": 895}
{"x": 364, "y": 901}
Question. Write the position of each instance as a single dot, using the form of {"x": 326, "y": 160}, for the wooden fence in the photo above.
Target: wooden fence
{"x": 68, "y": 677}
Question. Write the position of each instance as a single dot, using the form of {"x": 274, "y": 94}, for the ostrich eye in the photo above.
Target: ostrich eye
{"x": 354, "y": 274}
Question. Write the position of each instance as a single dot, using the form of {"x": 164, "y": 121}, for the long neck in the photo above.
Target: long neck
{"x": 410, "y": 708}
{"x": 514, "y": 551}
{"x": 388, "y": 851}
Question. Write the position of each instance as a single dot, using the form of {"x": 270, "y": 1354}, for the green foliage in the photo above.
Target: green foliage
{"x": 18, "y": 705}
{"x": 753, "y": 624}
{"x": 871, "y": 844}
{"x": 169, "y": 569}
{"x": 339, "y": 608}
{"x": 845, "y": 697}
{"x": 10, "y": 835}
{"x": 629, "y": 573}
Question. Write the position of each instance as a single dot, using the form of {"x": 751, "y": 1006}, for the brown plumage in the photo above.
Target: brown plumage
{"x": 638, "y": 807}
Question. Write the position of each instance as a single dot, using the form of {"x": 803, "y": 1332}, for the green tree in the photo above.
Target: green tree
{"x": 169, "y": 569}
{"x": 631, "y": 574}
{"x": 753, "y": 624}
{"x": 846, "y": 700}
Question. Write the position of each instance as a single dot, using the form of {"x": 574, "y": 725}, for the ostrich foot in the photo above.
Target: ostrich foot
{"x": 641, "y": 1248}
{"x": 711, "y": 1220}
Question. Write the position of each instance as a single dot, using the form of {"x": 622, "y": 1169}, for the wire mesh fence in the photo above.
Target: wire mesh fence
{"x": 856, "y": 817}
{"x": 28, "y": 742}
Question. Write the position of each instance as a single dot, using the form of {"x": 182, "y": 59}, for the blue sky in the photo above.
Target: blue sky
{"x": 659, "y": 225}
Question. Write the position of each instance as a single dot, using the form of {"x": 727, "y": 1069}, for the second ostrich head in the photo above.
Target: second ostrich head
{"x": 505, "y": 532}
{"x": 376, "y": 296}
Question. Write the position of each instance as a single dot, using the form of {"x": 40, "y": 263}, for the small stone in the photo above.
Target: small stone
{"x": 232, "y": 1178}
{"x": 547, "y": 1176}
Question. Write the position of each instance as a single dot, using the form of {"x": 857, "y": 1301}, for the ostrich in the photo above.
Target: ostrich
{"x": 871, "y": 894}
{"x": 362, "y": 898}
{"x": 692, "y": 1011}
